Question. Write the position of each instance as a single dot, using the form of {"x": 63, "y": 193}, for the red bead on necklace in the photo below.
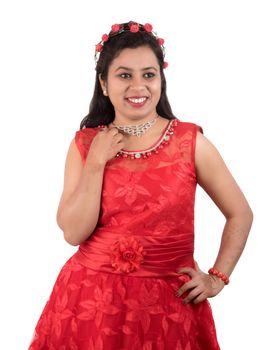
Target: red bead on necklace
{"x": 155, "y": 149}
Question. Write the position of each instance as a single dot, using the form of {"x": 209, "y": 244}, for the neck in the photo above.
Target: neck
{"x": 122, "y": 121}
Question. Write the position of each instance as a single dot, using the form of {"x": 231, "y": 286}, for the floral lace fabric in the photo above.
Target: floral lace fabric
{"x": 118, "y": 290}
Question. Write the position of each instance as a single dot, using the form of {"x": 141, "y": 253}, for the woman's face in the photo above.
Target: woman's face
{"x": 134, "y": 84}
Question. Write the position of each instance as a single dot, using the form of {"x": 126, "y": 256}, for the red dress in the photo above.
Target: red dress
{"x": 117, "y": 292}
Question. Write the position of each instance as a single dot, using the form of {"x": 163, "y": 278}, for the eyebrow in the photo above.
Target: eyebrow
{"x": 130, "y": 69}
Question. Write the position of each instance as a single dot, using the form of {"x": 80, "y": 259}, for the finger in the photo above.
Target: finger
{"x": 117, "y": 137}
{"x": 192, "y": 295}
{"x": 185, "y": 287}
{"x": 199, "y": 298}
{"x": 113, "y": 129}
{"x": 189, "y": 270}
{"x": 121, "y": 145}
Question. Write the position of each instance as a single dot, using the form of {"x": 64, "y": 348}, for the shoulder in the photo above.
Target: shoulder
{"x": 87, "y": 131}
{"x": 85, "y": 135}
{"x": 207, "y": 156}
{"x": 83, "y": 139}
{"x": 186, "y": 126}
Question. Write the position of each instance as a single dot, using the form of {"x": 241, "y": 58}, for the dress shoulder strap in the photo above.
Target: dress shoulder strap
{"x": 187, "y": 135}
{"x": 83, "y": 139}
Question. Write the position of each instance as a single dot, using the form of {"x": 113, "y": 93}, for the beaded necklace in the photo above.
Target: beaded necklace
{"x": 137, "y": 130}
{"x": 161, "y": 143}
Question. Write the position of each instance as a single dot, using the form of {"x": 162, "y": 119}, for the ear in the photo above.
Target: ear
{"x": 102, "y": 82}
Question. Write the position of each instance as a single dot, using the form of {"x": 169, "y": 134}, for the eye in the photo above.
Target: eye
{"x": 125, "y": 75}
{"x": 149, "y": 75}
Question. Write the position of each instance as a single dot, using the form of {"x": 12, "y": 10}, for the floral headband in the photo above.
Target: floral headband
{"x": 133, "y": 28}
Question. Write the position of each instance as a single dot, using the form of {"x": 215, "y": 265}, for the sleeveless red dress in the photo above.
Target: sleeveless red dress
{"x": 117, "y": 292}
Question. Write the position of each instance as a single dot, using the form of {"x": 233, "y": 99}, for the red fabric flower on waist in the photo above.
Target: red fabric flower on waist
{"x": 127, "y": 254}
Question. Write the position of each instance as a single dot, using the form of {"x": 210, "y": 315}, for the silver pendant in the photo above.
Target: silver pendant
{"x": 136, "y": 130}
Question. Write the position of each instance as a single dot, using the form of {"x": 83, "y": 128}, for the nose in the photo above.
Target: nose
{"x": 137, "y": 83}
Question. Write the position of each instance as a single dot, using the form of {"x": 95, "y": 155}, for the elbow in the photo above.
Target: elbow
{"x": 75, "y": 239}
{"x": 244, "y": 219}
{"x": 70, "y": 239}
{"x": 244, "y": 216}
{"x": 249, "y": 215}
{"x": 248, "y": 218}
{"x": 74, "y": 235}
{"x": 251, "y": 219}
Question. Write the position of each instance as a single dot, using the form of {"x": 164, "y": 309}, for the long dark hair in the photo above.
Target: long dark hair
{"x": 101, "y": 110}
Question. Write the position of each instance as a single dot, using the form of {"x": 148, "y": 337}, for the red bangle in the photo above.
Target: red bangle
{"x": 219, "y": 274}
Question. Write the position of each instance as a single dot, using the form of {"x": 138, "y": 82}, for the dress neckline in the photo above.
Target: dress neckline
{"x": 156, "y": 147}
{"x": 154, "y": 144}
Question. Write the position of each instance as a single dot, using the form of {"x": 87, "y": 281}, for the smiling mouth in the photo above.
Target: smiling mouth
{"x": 137, "y": 99}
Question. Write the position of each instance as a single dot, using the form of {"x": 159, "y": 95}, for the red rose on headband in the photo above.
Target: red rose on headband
{"x": 98, "y": 47}
{"x": 134, "y": 28}
{"x": 160, "y": 41}
{"x": 148, "y": 27}
{"x": 105, "y": 37}
{"x": 115, "y": 27}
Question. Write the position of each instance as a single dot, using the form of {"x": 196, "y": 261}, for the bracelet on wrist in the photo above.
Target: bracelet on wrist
{"x": 219, "y": 274}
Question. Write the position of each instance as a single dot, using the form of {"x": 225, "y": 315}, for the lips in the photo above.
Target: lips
{"x": 137, "y": 101}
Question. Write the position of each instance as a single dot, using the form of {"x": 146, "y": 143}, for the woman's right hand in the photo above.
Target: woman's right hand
{"x": 105, "y": 145}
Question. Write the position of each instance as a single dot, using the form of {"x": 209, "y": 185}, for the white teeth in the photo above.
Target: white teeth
{"x": 137, "y": 100}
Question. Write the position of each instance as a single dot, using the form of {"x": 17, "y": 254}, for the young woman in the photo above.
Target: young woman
{"x": 128, "y": 202}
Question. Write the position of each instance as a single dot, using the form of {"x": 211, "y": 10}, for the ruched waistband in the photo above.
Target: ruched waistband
{"x": 134, "y": 255}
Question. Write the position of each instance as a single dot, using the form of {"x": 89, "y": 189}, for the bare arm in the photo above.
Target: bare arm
{"x": 79, "y": 206}
{"x": 215, "y": 178}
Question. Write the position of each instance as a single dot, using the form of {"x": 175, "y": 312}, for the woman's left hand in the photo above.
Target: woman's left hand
{"x": 200, "y": 287}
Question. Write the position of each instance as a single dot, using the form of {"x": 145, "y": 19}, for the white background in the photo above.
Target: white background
{"x": 223, "y": 74}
